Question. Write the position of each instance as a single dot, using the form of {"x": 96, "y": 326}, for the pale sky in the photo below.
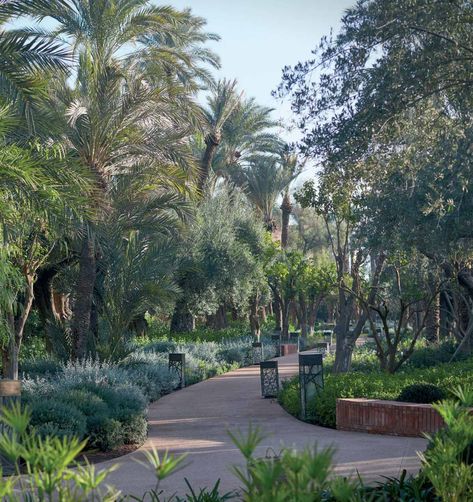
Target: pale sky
{"x": 260, "y": 37}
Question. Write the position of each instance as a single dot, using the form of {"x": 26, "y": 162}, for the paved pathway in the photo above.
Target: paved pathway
{"x": 195, "y": 420}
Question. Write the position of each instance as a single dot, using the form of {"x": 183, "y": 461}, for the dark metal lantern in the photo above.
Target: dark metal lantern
{"x": 269, "y": 378}
{"x": 311, "y": 379}
{"x": 257, "y": 349}
{"x": 177, "y": 364}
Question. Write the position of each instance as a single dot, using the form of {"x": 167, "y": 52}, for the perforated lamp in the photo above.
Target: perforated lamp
{"x": 177, "y": 365}
{"x": 311, "y": 379}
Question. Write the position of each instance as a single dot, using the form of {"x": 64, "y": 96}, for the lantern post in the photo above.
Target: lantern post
{"x": 177, "y": 365}
{"x": 269, "y": 378}
{"x": 257, "y": 349}
{"x": 311, "y": 379}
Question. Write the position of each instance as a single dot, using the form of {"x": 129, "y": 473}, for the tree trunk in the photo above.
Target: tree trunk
{"x": 84, "y": 298}
{"x": 218, "y": 320}
{"x": 432, "y": 326}
{"x": 303, "y": 319}
{"x": 277, "y": 315}
{"x": 446, "y": 316}
{"x": 182, "y": 319}
{"x": 285, "y": 320}
{"x": 212, "y": 141}
{"x": 254, "y": 319}
{"x": 286, "y": 208}
{"x": 344, "y": 349}
{"x": 344, "y": 339}
{"x": 264, "y": 315}
{"x": 17, "y": 325}
{"x": 312, "y": 315}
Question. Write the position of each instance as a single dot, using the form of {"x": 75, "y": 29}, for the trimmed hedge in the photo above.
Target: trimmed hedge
{"x": 422, "y": 393}
{"x": 375, "y": 385}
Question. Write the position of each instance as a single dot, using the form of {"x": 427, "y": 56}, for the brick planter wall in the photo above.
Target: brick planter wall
{"x": 288, "y": 348}
{"x": 387, "y": 417}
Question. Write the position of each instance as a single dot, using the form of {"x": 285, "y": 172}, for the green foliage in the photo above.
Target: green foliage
{"x": 376, "y": 385}
{"x": 422, "y": 393}
{"x": 54, "y": 417}
{"x": 298, "y": 476}
{"x": 289, "y": 397}
{"x": 427, "y": 356}
{"x": 112, "y": 410}
{"x": 447, "y": 461}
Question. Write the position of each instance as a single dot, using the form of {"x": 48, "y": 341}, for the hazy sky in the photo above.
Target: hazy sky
{"x": 260, "y": 37}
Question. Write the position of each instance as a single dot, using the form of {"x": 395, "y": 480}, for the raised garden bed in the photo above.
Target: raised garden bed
{"x": 387, "y": 417}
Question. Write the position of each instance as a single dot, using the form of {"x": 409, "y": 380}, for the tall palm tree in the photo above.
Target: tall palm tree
{"x": 264, "y": 178}
{"x": 25, "y": 56}
{"x": 221, "y": 104}
{"x": 116, "y": 120}
{"x": 290, "y": 165}
{"x": 247, "y": 132}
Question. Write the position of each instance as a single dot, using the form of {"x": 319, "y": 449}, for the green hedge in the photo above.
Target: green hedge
{"x": 375, "y": 385}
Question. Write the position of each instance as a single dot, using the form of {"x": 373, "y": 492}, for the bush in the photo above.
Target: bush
{"x": 86, "y": 402}
{"x": 123, "y": 401}
{"x": 431, "y": 355}
{"x": 150, "y": 372}
{"x": 104, "y": 432}
{"x": 424, "y": 393}
{"x": 289, "y": 396}
{"x": 135, "y": 430}
{"x": 50, "y": 416}
{"x": 378, "y": 385}
{"x": 40, "y": 367}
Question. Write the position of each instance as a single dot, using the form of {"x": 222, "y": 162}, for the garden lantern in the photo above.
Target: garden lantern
{"x": 276, "y": 339}
{"x": 257, "y": 348}
{"x": 269, "y": 378}
{"x": 177, "y": 365}
{"x": 311, "y": 379}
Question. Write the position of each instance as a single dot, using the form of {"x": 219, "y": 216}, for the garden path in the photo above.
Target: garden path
{"x": 195, "y": 420}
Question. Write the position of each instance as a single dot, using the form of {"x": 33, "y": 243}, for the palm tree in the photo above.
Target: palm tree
{"x": 25, "y": 56}
{"x": 263, "y": 179}
{"x": 221, "y": 104}
{"x": 290, "y": 165}
{"x": 117, "y": 121}
{"x": 247, "y": 132}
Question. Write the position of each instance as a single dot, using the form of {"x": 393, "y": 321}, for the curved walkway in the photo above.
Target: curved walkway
{"x": 195, "y": 420}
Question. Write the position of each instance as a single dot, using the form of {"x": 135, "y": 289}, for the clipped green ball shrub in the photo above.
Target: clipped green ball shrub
{"x": 422, "y": 393}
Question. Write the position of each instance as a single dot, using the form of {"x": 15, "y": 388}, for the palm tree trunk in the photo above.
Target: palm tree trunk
{"x": 84, "y": 297}
{"x": 182, "y": 319}
{"x": 212, "y": 141}
{"x": 286, "y": 208}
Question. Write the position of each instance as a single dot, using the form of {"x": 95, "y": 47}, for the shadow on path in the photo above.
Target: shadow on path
{"x": 195, "y": 420}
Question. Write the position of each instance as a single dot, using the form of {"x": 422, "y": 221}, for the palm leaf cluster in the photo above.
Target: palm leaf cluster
{"x": 106, "y": 153}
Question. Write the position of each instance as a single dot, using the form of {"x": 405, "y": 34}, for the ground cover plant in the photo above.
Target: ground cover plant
{"x": 367, "y": 381}
{"x": 53, "y": 474}
{"x": 107, "y": 401}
